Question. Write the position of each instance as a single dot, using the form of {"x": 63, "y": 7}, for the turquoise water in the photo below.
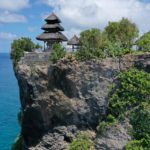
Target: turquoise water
{"x": 9, "y": 103}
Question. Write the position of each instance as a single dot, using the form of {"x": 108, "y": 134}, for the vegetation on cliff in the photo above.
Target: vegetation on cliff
{"x": 117, "y": 39}
{"x": 82, "y": 142}
{"x": 57, "y": 53}
{"x": 132, "y": 89}
{"x": 92, "y": 44}
{"x": 18, "y": 143}
{"x": 125, "y": 32}
{"x": 130, "y": 99}
{"x": 144, "y": 42}
{"x": 19, "y": 46}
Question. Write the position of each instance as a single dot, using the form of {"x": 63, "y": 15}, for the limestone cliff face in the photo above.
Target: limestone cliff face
{"x": 61, "y": 99}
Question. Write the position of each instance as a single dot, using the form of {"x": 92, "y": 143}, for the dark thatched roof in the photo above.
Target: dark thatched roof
{"x": 46, "y": 36}
{"x": 74, "y": 41}
{"x": 52, "y": 30}
{"x": 52, "y": 26}
{"x": 53, "y": 19}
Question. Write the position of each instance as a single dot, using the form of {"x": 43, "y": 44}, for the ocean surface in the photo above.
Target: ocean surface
{"x": 9, "y": 103}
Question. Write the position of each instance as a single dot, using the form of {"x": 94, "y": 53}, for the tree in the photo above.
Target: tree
{"x": 144, "y": 42}
{"x": 123, "y": 32}
{"x": 91, "y": 38}
{"x": 57, "y": 53}
{"x": 92, "y": 43}
{"x": 115, "y": 49}
{"x": 19, "y": 46}
{"x": 116, "y": 40}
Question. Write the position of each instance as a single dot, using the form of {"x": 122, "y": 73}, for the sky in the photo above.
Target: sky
{"x": 24, "y": 18}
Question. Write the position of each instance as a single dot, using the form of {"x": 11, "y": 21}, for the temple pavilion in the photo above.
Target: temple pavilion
{"x": 75, "y": 42}
{"x": 52, "y": 32}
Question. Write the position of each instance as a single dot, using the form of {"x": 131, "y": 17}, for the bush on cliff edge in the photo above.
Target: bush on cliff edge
{"x": 57, "y": 53}
{"x": 115, "y": 41}
{"x": 19, "y": 46}
{"x": 18, "y": 144}
{"x": 130, "y": 98}
{"x": 82, "y": 142}
{"x": 131, "y": 90}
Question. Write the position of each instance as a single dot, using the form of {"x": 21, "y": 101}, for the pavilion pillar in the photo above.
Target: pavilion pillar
{"x": 44, "y": 45}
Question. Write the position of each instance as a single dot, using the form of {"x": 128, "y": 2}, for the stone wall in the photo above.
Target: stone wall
{"x": 35, "y": 58}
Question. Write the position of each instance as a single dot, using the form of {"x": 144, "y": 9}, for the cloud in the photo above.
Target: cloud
{"x": 7, "y": 36}
{"x": 72, "y": 31}
{"x": 81, "y": 14}
{"x": 8, "y": 9}
{"x": 8, "y": 17}
{"x": 12, "y": 5}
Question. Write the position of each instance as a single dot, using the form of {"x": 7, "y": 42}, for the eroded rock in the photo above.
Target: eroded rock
{"x": 69, "y": 94}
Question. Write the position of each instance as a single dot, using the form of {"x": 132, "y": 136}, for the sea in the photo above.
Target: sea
{"x": 9, "y": 103}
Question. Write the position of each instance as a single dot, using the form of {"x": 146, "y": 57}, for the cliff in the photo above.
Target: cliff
{"x": 59, "y": 100}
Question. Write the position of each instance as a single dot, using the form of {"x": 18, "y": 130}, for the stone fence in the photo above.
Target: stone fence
{"x": 35, "y": 58}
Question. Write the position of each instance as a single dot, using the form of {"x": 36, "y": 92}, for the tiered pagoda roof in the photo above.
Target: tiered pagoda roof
{"x": 52, "y": 27}
{"x": 53, "y": 19}
{"x": 52, "y": 30}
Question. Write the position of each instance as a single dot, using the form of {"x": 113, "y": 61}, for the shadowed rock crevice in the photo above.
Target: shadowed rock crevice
{"x": 58, "y": 79}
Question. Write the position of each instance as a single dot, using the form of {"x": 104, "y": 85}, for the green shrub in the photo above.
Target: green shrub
{"x": 86, "y": 54}
{"x": 91, "y": 39}
{"x": 134, "y": 145}
{"x": 132, "y": 89}
{"x": 82, "y": 142}
{"x": 19, "y": 46}
{"x": 57, "y": 53}
{"x": 110, "y": 43}
{"x": 124, "y": 31}
{"x": 18, "y": 143}
{"x": 143, "y": 43}
{"x": 143, "y": 144}
{"x": 92, "y": 43}
{"x": 109, "y": 121}
{"x": 131, "y": 97}
{"x": 140, "y": 120}
{"x": 83, "y": 54}
{"x": 115, "y": 49}
{"x": 116, "y": 40}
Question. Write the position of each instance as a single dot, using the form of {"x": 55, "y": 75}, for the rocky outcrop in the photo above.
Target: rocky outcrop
{"x": 59, "y": 100}
{"x": 114, "y": 137}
